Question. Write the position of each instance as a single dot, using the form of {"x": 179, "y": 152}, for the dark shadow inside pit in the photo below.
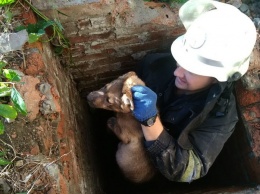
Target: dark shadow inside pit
{"x": 228, "y": 173}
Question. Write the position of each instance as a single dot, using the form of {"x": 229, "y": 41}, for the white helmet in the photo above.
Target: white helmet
{"x": 218, "y": 42}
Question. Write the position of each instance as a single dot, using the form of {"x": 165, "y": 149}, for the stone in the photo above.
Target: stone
{"x": 5, "y": 189}
{"x": 236, "y": 3}
{"x": 13, "y": 41}
{"x": 48, "y": 105}
{"x": 251, "y": 80}
{"x": 243, "y": 8}
{"x": 53, "y": 170}
{"x": 257, "y": 22}
{"x": 19, "y": 163}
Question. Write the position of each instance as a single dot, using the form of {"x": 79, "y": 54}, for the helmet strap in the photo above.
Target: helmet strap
{"x": 236, "y": 76}
{"x": 221, "y": 107}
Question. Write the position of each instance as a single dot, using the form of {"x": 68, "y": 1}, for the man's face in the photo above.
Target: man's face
{"x": 190, "y": 82}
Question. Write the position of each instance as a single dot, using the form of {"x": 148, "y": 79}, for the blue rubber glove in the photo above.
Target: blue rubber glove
{"x": 144, "y": 102}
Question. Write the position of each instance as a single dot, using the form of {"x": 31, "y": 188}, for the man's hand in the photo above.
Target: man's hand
{"x": 144, "y": 102}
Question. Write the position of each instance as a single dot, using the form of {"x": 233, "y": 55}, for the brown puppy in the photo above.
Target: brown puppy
{"x": 131, "y": 155}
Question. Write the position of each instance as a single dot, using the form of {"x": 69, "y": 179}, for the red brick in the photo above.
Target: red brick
{"x": 98, "y": 80}
{"x": 34, "y": 64}
{"x": 101, "y": 21}
{"x": 109, "y": 51}
{"x": 252, "y": 113}
{"x": 89, "y": 38}
{"x": 71, "y": 29}
{"x": 246, "y": 97}
{"x": 117, "y": 42}
{"x": 28, "y": 17}
{"x": 153, "y": 45}
{"x": 78, "y": 50}
{"x": 111, "y": 60}
{"x": 84, "y": 65}
{"x": 83, "y": 23}
{"x": 166, "y": 34}
{"x": 89, "y": 57}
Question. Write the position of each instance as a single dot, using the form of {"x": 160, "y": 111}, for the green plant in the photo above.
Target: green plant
{"x": 37, "y": 30}
{"x": 6, "y": 2}
{"x": 11, "y": 102}
{"x": 3, "y": 161}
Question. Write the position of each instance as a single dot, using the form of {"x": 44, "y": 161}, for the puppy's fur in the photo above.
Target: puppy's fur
{"x": 131, "y": 155}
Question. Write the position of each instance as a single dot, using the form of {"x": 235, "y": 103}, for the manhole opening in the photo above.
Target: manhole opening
{"x": 228, "y": 173}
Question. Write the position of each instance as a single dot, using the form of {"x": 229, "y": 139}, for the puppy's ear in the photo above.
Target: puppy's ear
{"x": 130, "y": 81}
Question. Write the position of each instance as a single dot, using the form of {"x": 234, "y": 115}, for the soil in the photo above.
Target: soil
{"x": 31, "y": 144}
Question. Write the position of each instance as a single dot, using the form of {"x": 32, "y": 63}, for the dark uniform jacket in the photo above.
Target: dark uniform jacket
{"x": 196, "y": 126}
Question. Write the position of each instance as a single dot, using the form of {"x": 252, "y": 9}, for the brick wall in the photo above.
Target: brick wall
{"x": 108, "y": 38}
{"x": 54, "y": 134}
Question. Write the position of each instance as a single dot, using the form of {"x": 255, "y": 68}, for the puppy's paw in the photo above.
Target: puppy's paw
{"x": 111, "y": 122}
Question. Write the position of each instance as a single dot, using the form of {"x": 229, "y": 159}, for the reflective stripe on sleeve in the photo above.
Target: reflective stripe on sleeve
{"x": 193, "y": 169}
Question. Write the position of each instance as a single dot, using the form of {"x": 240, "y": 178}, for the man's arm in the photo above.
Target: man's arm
{"x": 153, "y": 132}
{"x": 172, "y": 160}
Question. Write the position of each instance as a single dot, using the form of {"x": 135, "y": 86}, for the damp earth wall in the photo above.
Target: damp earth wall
{"x": 108, "y": 37}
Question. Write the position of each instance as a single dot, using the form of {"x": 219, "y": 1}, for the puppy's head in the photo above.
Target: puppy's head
{"x": 116, "y": 95}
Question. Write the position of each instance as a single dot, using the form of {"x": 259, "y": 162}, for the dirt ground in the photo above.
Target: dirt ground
{"x": 30, "y": 142}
